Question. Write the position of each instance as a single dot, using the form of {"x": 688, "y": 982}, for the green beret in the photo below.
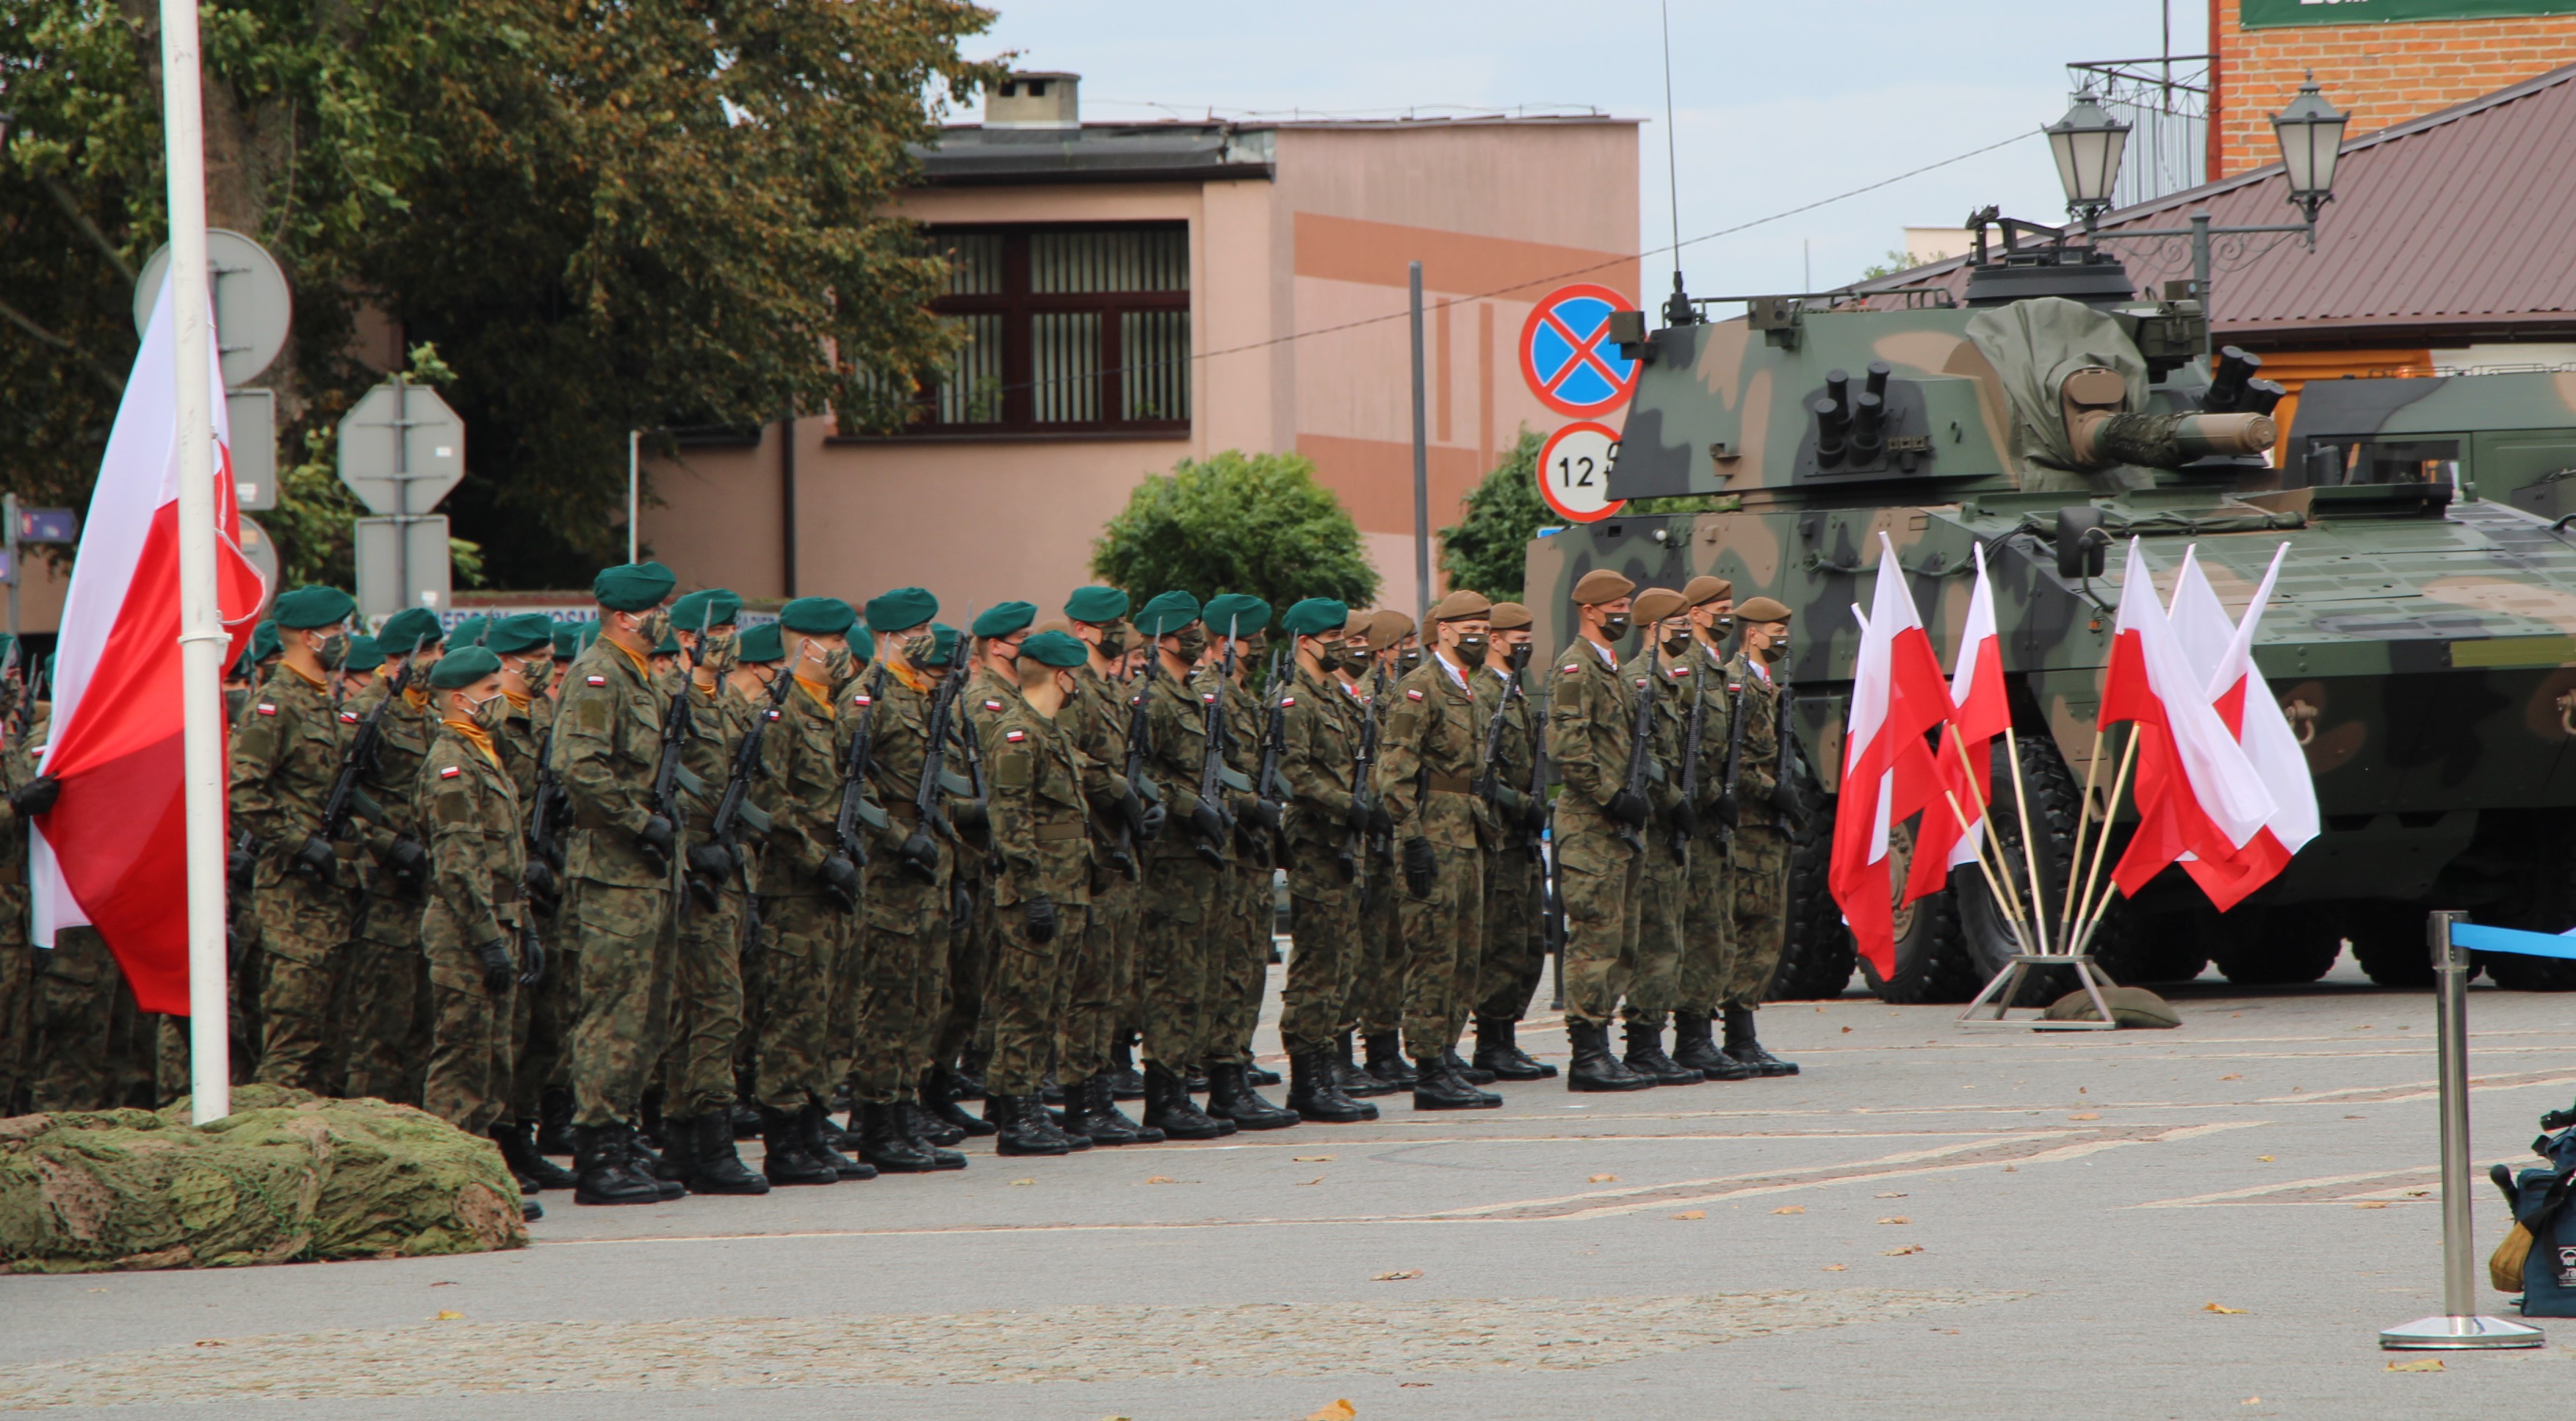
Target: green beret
{"x": 364, "y": 654}
{"x": 862, "y": 645}
{"x": 1062, "y": 650}
{"x": 308, "y": 607}
{"x": 633, "y": 587}
{"x": 761, "y": 644}
{"x": 1005, "y": 618}
{"x": 473, "y": 631}
{"x": 818, "y": 616}
{"x": 567, "y": 640}
{"x": 943, "y": 645}
{"x": 526, "y": 632}
{"x": 670, "y": 645}
{"x": 901, "y": 610}
{"x": 460, "y": 669}
{"x": 242, "y": 666}
{"x": 1315, "y": 616}
{"x": 1168, "y": 612}
{"x": 1246, "y": 613}
{"x": 410, "y": 625}
{"x": 1096, "y": 604}
{"x": 584, "y": 638}
{"x": 708, "y": 606}
{"x": 263, "y": 640}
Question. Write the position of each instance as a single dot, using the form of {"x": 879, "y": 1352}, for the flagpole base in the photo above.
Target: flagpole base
{"x": 2006, "y": 985}
{"x": 2459, "y": 1334}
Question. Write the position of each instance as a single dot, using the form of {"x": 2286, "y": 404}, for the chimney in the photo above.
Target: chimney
{"x": 1035, "y": 101}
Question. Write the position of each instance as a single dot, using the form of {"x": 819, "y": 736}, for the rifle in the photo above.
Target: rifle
{"x": 1274, "y": 744}
{"x": 855, "y": 809}
{"x": 934, "y": 754}
{"x": 1489, "y": 785}
{"x": 1362, "y": 845}
{"x": 734, "y": 808}
{"x": 1728, "y": 811}
{"x": 679, "y": 722}
{"x": 1641, "y": 742}
{"x": 1690, "y": 762}
{"x": 543, "y": 846}
{"x": 1139, "y": 734}
{"x": 346, "y": 799}
{"x": 1217, "y": 825}
{"x": 1538, "y": 753}
{"x": 1791, "y": 756}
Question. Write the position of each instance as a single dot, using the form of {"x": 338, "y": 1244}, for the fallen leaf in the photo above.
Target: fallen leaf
{"x": 2087, "y": 1115}
{"x": 2421, "y": 1364}
{"x": 1017, "y": 1182}
{"x": 1790, "y": 1209}
{"x": 1692, "y": 1214}
{"x": 210, "y": 1342}
{"x": 447, "y": 1315}
{"x": 1833, "y": 1268}
{"x": 2267, "y": 1159}
{"x": 1162, "y": 1179}
{"x": 1603, "y": 1179}
{"x": 1338, "y": 1411}
{"x": 1901, "y": 1250}
{"x": 2411, "y": 1194}
{"x": 2251, "y": 1401}
{"x": 2369, "y": 1204}
{"x": 1893, "y": 1194}
{"x": 441, "y": 1283}
{"x": 2219, "y": 1307}
{"x": 2012, "y": 1169}
{"x": 1316, "y": 1159}
{"x": 1318, "y": 1179}
{"x": 1846, "y": 1031}
{"x": 1409, "y": 1384}
{"x": 2231, "y": 1076}
{"x": 1896, "y": 1219}
{"x": 1398, "y": 1276}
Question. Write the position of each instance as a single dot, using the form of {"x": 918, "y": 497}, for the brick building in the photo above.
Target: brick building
{"x": 2384, "y": 61}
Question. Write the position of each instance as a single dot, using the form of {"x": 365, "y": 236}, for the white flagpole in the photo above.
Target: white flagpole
{"x": 201, "y": 631}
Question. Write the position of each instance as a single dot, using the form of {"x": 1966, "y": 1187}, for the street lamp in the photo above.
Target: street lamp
{"x": 2310, "y": 133}
{"x": 2088, "y": 144}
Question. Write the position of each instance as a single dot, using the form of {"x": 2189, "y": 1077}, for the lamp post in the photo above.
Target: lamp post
{"x": 2088, "y": 143}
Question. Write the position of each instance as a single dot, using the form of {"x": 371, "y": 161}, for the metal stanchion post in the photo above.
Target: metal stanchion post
{"x": 2459, "y": 1328}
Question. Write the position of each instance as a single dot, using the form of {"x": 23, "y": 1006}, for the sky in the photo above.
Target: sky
{"x": 1775, "y": 105}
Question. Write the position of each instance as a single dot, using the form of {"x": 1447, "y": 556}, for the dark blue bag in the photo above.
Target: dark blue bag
{"x": 2549, "y": 1271}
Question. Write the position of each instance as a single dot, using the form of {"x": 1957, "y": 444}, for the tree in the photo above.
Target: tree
{"x": 1488, "y": 547}
{"x": 1236, "y": 522}
{"x": 1894, "y": 262}
{"x": 607, "y": 214}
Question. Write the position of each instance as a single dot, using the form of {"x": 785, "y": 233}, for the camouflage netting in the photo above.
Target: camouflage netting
{"x": 2034, "y": 345}
{"x": 286, "y": 1178}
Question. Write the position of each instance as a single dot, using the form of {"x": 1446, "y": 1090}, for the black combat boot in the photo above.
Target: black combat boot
{"x": 600, "y": 1172}
{"x": 809, "y": 1128}
{"x": 1257, "y": 1075}
{"x": 1125, "y": 1082}
{"x": 1695, "y": 1047}
{"x": 745, "y": 1118}
{"x": 940, "y": 1094}
{"x": 886, "y": 1144}
{"x": 554, "y": 1121}
{"x": 1386, "y": 1062}
{"x": 932, "y": 1129}
{"x": 1498, "y": 1051}
{"x": 1168, "y": 1108}
{"x": 648, "y": 1120}
{"x": 1109, "y": 1125}
{"x": 784, "y": 1158}
{"x": 1594, "y": 1068}
{"x": 530, "y": 1211}
{"x": 715, "y": 1167}
{"x": 969, "y": 1075}
{"x": 928, "y": 1134}
{"x": 1316, "y": 1096}
{"x": 1646, "y": 1056}
{"x": 645, "y": 1162}
{"x": 519, "y": 1147}
{"x": 1017, "y": 1127}
{"x": 1472, "y": 1075}
{"x": 1355, "y": 1080}
{"x": 1741, "y": 1045}
{"x": 1436, "y": 1087}
{"x": 1049, "y": 1091}
{"x": 1231, "y": 1097}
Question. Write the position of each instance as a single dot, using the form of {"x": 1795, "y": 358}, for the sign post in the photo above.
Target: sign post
{"x": 401, "y": 450}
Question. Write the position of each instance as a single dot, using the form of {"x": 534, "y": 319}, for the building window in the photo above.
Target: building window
{"x": 1068, "y": 330}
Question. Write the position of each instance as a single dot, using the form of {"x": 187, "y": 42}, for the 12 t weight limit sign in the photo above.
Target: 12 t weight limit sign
{"x": 1574, "y": 471}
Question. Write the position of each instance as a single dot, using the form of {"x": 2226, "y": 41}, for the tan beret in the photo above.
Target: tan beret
{"x": 1460, "y": 605}
{"x": 1510, "y": 616}
{"x": 1761, "y": 609}
{"x": 1388, "y": 627}
{"x": 1656, "y": 603}
{"x": 1058, "y": 625}
{"x": 1704, "y": 589}
{"x": 1601, "y": 585}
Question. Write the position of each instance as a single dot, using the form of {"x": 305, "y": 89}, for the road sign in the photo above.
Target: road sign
{"x": 261, "y": 549}
{"x": 253, "y": 306}
{"x": 402, "y": 562}
{"x": 1574, "y": 471}
{"x": 1567, "y": 355}
{"x": 401, "y": 448}
{"x": 48, "y": 525}
{"x": 252, "y": 415}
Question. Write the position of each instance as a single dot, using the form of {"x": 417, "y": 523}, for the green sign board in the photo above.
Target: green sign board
{"x": 2273, "y": 14}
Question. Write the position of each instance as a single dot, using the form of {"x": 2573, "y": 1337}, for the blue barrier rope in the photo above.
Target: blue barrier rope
{"x": 2485, "y": 939}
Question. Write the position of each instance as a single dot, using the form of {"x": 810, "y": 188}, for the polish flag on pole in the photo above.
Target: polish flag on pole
{"x": 2223, "y": 654}
{"x": 109, "y": 853}
{"x": 1897, "y": 695}
{"x": 1979, "y": 710}
{"x": 2195, "y": 790}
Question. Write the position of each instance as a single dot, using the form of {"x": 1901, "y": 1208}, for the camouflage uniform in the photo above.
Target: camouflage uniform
{"x": 905, "y": 960}
{"x": 1654, "y": 985}
{"x": 1323, "y": 741}
{"x": 1377, "y": 982}
{"x": 1040, "y": 813}
{"x": 607, "y": 741}
{"x": 1708, "y": 919}
{"x": 806, "y": 947}
{"x": 283, "y": 764}
{"x": 542, "y": 1016}
{"x": 1434, "y": 752}
{"x": 1760, "y": 857}
{"x": 18, "y": 958}
{"x": 1592, "y": 713}
{"x": 1184, "y": 915}
{"x": 1246, "y": 906}
{"x": 971, "y": 940}
{"x": 1515, "y": 949}
{"x": 385, "y": 973}
{"x": 466, "y": 802}
{"x": 1103, "y": 971}
{"x": 707, "y": 991}
{"x": 84, "y": 1025}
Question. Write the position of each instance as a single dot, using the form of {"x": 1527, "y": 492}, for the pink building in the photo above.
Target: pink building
{"x": 1138, "y": 294}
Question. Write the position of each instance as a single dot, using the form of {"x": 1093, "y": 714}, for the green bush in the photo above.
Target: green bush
{"x": 1488, "y": 548}
{"x": 1236, "y": 522}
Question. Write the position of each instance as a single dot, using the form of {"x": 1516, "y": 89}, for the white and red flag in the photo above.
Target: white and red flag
{"x": 2222, "y": 653}
{"x": 2194, "y": 789}
{"x": 1897, "y": 696}
{"x": 110, "y": 854}
{"x": 1981, "y": 713}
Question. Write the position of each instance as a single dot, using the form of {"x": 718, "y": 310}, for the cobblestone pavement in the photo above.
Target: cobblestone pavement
{"x": 2210, "y": 1221}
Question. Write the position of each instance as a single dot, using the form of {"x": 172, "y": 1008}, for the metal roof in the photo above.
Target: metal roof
{"x": 2444, "y": 229}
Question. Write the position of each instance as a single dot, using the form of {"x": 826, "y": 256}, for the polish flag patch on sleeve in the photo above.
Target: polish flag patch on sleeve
{"x": 267, "y": 709}
{"x": 1569, "y": 670}
{"x": 595, "y": 680}
{"x": 1287, "y": 701}
{"x": 1015, "y": 736}
{"x": 1412, "y": 695}
{"x": 862, "y": 699}
{"x": 347, "y": 716}
{"x": 992, "y": 705}
{"x": 450, "y": 772}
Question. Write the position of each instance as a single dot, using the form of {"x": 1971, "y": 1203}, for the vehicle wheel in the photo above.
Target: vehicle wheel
{"x": 1816, "y": 962}
{"x": 2548, "y": 905}
{"x": 2150, "y": 949}
{"x": 2274, "y": 947}
{"x": 2055, "y": 800}
{"x": 2388, "y": 942}
{"x": 1931, "y": 963}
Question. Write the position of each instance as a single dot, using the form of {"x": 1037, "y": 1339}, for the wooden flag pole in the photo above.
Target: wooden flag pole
{"x": 2083, "y": 821}
{"x": 1985, "y": 816}
{"x": 2091, "y": 917}
{"x": 2029, "y": 849}
{"x": 2011, "y": 902}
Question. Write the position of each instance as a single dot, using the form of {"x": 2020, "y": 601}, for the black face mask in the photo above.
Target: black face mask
{"x": 1405, "y": 662}
{"x": 1471, "y": 650}
{"x": 1521, "y": 657}
{"x": 1777, "y": 650}
{"x": 1614, "y": 626}
{"x": 1113, "y": 642}
{"x": 1676, "y": 643}
{"x": 1355, "y": 662}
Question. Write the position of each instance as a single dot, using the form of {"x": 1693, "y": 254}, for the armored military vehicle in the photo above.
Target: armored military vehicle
{"x": 2422, "y": 640}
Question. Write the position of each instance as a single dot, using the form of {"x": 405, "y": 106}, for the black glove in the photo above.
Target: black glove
{"x": 921, "y": 856}
{"x": 1268, "y": 813}
{"x": 840, "y": 880}
{"x": 36, "y": 796}
{"x": 1208, "y": 821}
{"x": 1726, "y": 812}
{"x": 1151, "y": 827}
{"x": 1041, "y": 919}
{"x": 1358, "y": 817}
{"x": 408, "y": 861}
{"x": 532, "y": 956}
{"x": 315, "y": 860}
{"x": 498, "y": 969}
{"x": 241, "y": 868}
{"x": 1685, "y": 819}
{"x": 655, "y": 841}
{"x": 712, "y": 861}
{"x": 1791, "y": 804}
{"x": 1533, "y": 813}
{"x": 1421, "y": 869}
{"x": 969, "y": 814}
{"x": 1380, "y": 822}
{"x": 543, "y": 890}
{"x": 1630, "y": 808}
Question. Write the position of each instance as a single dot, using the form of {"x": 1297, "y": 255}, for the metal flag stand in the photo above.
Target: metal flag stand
{"x": 2459, "y": 1328}
{"x": 2005, "y": 987}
